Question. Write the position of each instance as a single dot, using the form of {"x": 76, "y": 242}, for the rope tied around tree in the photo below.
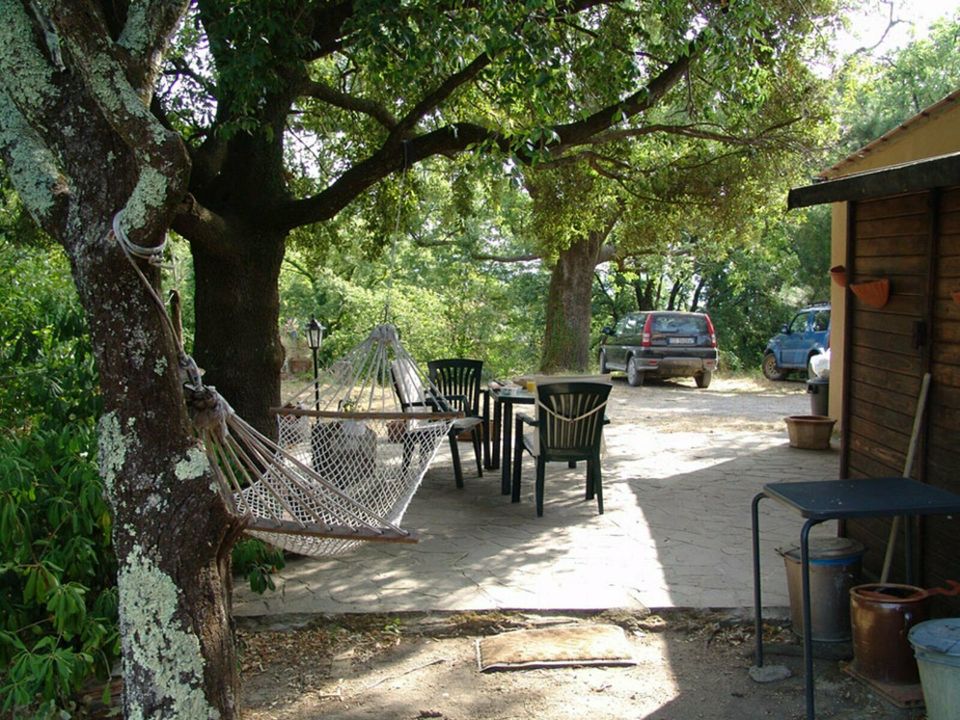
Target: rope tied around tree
{"x": 208, "y": 409}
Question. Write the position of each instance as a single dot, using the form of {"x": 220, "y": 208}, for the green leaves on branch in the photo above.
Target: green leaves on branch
{"x": 58, "y": 613}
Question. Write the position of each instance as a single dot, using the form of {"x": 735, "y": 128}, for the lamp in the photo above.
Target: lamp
{"x": 315, "y": 339}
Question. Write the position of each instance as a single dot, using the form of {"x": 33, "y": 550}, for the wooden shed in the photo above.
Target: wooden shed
{"x": 902, "y": 232}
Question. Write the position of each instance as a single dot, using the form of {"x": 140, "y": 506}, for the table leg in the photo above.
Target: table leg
{"x": 506, "y": 427}
{"x": 757, "y": 604}
{"x": 807, "y": 621}
{"x": 487, "y": 464}
{"x": 495, "y": 435}
{"x": 908, "y": 550}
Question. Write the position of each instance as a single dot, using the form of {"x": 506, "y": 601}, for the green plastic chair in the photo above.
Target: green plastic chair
{"x": 458, "y": 380}
{"x": 568, "y": 428}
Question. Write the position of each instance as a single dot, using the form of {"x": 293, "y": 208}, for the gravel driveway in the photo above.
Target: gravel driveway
{"x": 677, "y": 405}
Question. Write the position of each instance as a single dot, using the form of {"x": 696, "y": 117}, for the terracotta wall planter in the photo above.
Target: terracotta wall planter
{"x": 838, "y": 273}
{"x": 875, "y": 293}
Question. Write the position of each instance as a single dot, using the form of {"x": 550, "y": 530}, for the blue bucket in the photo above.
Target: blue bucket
{"x": 936, "y": 645}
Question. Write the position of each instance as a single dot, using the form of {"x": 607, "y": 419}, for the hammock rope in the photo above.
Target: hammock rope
{"x": 336, "y": 476}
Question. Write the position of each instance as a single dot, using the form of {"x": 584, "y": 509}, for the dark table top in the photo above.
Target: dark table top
{"x": 516, "y": 395}
{"x": 869, "y": 497}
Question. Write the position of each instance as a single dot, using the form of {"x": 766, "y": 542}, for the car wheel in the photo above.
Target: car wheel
{"x": 771, "y": 370}
{"x": 703, "y": 379}
{"x": 603, "y": 363}
{"x": 634, "y": 374}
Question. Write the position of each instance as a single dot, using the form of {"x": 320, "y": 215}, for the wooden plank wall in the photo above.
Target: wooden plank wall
{"x": 914, "y": 240}
{"x": 941, "y": 535}
{"x": 892, "y": 240}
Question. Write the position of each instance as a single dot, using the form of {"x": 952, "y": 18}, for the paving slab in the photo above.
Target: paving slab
{"x": 675, "y": 532}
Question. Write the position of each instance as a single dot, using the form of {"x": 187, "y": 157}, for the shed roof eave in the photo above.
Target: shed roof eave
{"x": 909, "y": 125}
{"x": 915, "y": 176}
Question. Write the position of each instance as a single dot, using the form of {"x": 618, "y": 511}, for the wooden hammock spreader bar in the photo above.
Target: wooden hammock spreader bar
{"x": 337, "y": 532}
{"x": 305, "y": 412}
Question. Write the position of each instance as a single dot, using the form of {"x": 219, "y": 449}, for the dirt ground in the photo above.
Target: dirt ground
{"x": 690, "y": 664}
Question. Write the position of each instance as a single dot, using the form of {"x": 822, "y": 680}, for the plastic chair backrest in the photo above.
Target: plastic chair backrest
{"x": 407, "y": 383}
{"x": 455, "y": 377}
{"x": 570, "y": 416}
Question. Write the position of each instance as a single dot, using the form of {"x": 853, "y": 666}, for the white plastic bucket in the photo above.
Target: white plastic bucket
{"x": 936, "y": 645}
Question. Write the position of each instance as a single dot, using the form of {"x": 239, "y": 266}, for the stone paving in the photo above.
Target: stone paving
{"x": 676, "y": 531}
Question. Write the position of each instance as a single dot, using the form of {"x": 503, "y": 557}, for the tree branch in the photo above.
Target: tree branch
{"x": 388, "y": 159}
{"x": 480, "y": 257}
{"x": 694, "y": 130}
{"x": 144, "y": 38}
{"x": 328, "y": 25}
{"x": 161, "y": 157}
{"x": 485, "y": 257}
{"x": 325, "y": 93}
{"x": 31, "y": 165}
{"x": 577, "y": 133}
{"x": 432, "y": 100}
{"x": 395, "y": 155}
{"x": 182, "y": 69}
{"x": 202, "y": 226}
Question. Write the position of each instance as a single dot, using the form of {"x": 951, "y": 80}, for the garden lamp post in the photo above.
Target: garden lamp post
{"x": 315, "y": 338}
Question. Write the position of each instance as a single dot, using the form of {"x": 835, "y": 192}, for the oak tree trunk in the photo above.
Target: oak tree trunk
{"x": 566, "y": 341}
{"x": 172, "y": 535}
{"x": 237, "y": 306}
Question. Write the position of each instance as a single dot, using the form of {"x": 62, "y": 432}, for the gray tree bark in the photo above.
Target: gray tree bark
{"x": 75, "y": 83}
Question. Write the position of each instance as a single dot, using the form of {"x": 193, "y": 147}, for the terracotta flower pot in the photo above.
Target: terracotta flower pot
{"x": 809, "y": 432}
{"x": 838, "y": 273}
{"x": 875, "y": 293}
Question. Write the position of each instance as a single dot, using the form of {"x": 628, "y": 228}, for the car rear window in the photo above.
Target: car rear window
{"x": 680, "y": 324}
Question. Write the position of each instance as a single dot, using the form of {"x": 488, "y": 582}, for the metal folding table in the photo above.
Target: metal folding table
{"x": 824, "y": 500}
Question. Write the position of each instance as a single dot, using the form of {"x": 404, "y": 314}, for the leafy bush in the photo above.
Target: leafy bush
{"x": 57, "y": 593}
{"x": 257, "y": 561}
{"x": 58, "y": 600}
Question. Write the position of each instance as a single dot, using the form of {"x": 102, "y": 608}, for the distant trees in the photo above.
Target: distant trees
{"x": 878, "y": 93}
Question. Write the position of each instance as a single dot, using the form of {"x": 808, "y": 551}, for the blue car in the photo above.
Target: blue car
{"x": 807, "y": 335}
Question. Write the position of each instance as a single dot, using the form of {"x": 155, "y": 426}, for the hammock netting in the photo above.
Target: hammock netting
{"x": 349, "y": 455}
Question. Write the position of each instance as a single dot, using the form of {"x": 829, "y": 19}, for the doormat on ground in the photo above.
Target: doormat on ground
{"x": 555, "y": 647}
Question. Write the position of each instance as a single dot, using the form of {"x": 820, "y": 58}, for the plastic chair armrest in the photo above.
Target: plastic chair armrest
{"x": 528, "y": 419}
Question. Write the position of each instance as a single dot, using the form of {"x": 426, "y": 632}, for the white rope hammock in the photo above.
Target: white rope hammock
{"x": 357, "y": 436}
{"x": 348, "y": 459}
